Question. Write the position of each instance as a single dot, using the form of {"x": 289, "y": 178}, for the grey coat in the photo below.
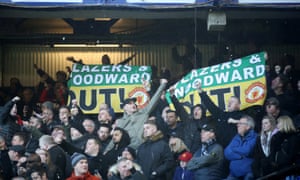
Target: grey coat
{"x": 207, "y": 165}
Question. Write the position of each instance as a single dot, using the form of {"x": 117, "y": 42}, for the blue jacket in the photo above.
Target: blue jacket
{"x": 178, "y": 175}
{"x": 240, "y": 153}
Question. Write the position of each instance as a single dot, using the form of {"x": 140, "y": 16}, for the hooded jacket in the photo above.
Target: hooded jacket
{"x": 112, "y": 155}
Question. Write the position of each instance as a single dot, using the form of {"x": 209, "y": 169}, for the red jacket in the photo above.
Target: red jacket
{"x": 86, "y": 176}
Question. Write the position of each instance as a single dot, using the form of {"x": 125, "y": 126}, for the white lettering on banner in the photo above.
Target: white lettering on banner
{"x": 95, "y": 69}
{"x": 225, "y": 65}
{"x": 208, "y": 80}
{"x": 123, "y": 78}
{"x": 127, "y": 68}
{"x": 214, "y": 68}
{"x": 134, "y": 78}
{"x": 222, "y": 77}
{"x": 107, "y": 68}
{"x": 179, "y": 92}
{"x": 88, "y": 79}
{"x": 246, "y": 73}
{"x": 237, "y": 63}
{"x": 74, "y": 69}
{"x": 85, "y": 69}
{"x": 99, "y": 79}
{"x": 188, "y": 88}
{"x": 146, "y": 76}
{"x": 112, "y": 78}
{"x": 77, "y": 80}
{"x": 203, "y": 71}
{"x": 236, "y": 76}
{"x": 260, "y": 70}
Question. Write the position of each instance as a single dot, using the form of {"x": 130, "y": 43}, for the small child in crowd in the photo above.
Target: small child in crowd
{"x": 181, "y": 172}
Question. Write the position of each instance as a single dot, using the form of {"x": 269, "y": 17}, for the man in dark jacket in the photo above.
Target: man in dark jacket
{"x": 207, "y": 162}
{"x": 225, "y": 131}
{"x": 191, "y": 123}
{"x": 121, "y": 140}
{"x": 154, "y": 155}
{"x": 57, "y": 154}
{"x": 8, "y": 120}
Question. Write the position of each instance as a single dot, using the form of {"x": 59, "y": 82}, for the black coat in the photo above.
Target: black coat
{"x": 58, "y": 158}
{"x": 155, "y": 155}
{"x": 5, "y": 165}
{"x": 261, "y": 165}
{"x": 111, "y": 157}
{"x": 191, "y": 136}
{"x": 8, "y": 125}
{"x": 284, "y": 149}
{"x": 224, "y": 131}
{"x": 95, "y": 162}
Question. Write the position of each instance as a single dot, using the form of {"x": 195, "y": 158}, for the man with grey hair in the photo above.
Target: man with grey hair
{"x": 56, "y": 153}
{"x": 240, "y": 150}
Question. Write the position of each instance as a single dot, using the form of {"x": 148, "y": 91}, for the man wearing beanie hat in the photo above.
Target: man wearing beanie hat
{"x": 80, "y": 168}
{"x": 207, "y": 162}
{"x": 129, "y": 151}
{"x": 181, "y": 172}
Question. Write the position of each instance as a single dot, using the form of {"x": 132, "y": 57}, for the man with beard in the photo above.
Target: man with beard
{"x": 121, "y": 140}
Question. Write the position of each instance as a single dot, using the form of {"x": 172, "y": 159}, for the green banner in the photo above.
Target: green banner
{"x": 244, "y": 77}
{"x": 92, "y": 85}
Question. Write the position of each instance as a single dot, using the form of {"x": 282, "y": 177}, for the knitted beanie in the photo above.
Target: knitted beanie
{"x": 76, "y": 157}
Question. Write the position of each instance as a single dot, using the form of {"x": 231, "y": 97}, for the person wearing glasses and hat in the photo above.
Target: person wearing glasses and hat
{"x": 207, "y": 162}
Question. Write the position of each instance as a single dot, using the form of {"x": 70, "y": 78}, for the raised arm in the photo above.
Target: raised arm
{"x": 179, "y": 108}
{"x": 6, "y": 109}
{"x": 205, "y": 99}
{"x": 150, "y": 107}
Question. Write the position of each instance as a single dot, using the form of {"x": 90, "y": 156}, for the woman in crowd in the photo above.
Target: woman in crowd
{"x": 284, "y": 146}
{"x": 261, "y": 165}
